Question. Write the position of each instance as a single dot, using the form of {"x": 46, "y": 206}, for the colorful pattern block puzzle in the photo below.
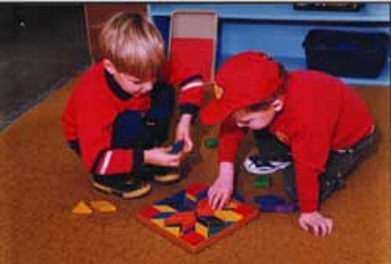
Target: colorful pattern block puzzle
{"x": 187, "y": 220}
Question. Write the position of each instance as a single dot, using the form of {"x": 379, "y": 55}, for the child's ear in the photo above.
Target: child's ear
{"x": 277, "y": 105}
{"x": 109, "y": 66}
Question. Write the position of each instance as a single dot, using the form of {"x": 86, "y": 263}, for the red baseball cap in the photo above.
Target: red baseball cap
{"x": 244, "y": 79}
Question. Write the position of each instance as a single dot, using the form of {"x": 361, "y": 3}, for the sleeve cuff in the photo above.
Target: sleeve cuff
{"x": 190, "y": 79}
{"x": 308, "y": 206}
{"x": 189, "y": 109}
{"x": 138, "y": 161}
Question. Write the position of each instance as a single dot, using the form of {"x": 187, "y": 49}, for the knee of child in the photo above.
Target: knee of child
{"x": 127, "y": 127}
{"x": 129, "y": 120}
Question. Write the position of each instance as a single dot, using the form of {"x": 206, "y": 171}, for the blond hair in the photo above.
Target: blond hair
{"x": 133, "y": 44}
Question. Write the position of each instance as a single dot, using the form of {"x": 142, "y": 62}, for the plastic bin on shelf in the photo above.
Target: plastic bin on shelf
{"x": 349, "y": 54}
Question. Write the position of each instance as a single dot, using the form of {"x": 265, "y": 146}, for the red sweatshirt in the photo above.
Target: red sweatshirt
{"x": 94, "y": 104}
{"x": 320, "y": 114}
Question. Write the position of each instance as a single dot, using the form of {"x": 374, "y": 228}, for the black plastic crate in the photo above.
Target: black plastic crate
{"x": 350, "y": 54}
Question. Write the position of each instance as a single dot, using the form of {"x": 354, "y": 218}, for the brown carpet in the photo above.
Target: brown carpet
{"x": 42, "y": 180}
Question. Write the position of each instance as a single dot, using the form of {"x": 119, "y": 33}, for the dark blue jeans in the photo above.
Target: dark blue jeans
{"x": 338, "y": 167}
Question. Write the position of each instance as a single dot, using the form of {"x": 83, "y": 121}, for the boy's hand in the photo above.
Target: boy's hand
{"x": 319, "y": 224}
{"x": 162, "y": 157}
{"x": 220, "y": 192}
{"x": 183, "y": 132}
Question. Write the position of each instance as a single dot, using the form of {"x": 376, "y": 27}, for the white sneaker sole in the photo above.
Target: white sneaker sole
{"x": 126, "y": 195}
{"x": 276, "y": 166}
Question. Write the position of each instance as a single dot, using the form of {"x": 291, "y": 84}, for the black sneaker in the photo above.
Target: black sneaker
{"x": 123, "y": 186}
{"x": 254, "y": 164}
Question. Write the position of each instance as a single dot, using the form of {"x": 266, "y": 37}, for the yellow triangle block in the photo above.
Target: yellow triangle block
{"x": 164, "y": 208}
{"x": 103, "y": 206}
{"x": 176, "y": 231}
{"x": 202, "y": 230}
{"x": 228, "y": 216}
{"x": 82, "y": 208}
{"x": 159, "y": 222}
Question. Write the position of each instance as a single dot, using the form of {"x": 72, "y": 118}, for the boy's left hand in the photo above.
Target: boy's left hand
{"x": 183, "y": 132}
{"x": 319, "y": 224}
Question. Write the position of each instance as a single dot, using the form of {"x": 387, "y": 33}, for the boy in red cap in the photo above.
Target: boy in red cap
{"x": 119, "y": 113}
{"x": 306, "y": 122}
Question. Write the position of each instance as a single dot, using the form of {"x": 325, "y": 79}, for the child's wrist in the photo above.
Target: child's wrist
{"x": 226, "y": 170}
{"x": 147, "y": 156}
{"x": 185, "y": 119}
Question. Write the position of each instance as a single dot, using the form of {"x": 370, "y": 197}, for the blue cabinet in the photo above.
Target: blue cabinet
{"x": 279, "y": 30}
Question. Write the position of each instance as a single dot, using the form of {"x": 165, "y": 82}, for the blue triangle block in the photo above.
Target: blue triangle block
{"x": 180, "y": 196}
{"x": 238, "y": 196}
{"x": 202, "y": 195}
{"x": 162, "y": 215}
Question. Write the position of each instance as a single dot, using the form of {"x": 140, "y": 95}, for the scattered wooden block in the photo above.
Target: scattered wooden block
{"x": 268, "y": 203}
{"x": 212, "y": 142}
{"x": 287, "y": 208}
{"x": 177, "y": 147}
{"x": 262, "y": 181}
{"x": 103, "y": 206}
{"x": 82, "y": 209}
{"x": 273, "y": 203}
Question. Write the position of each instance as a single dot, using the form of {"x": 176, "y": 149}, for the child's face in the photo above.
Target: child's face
{"x": 255, "y": 119}
{"x": 133, "y": 85}
{"x": 130, "y": 84}
{"x": 258, "y": 119}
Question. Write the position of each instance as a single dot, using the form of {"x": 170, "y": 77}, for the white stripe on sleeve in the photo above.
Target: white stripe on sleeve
{"x": 191, "y": 85}
{"x": 106, "y": 162}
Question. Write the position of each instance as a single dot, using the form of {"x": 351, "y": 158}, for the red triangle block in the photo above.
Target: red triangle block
{"x": 193, "y": 238}
{"x": 194, "y": 189}
{"x": 148, "y": 212}
{"x": 203, "y": 208}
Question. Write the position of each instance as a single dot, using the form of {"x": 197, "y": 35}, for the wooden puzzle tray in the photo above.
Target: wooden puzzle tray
{"x": 186, "y": 219}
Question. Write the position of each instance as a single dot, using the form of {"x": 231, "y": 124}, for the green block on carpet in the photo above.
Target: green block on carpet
{"x": 211, "y": 142}
{"x": 262, "y": 181}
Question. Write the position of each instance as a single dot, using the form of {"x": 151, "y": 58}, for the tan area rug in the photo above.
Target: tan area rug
{"x": 42, "y": 180}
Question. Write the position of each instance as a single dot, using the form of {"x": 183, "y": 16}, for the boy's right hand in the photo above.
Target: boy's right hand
{"x": 316, "y": 222}
{"x": 161, "y": 157}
